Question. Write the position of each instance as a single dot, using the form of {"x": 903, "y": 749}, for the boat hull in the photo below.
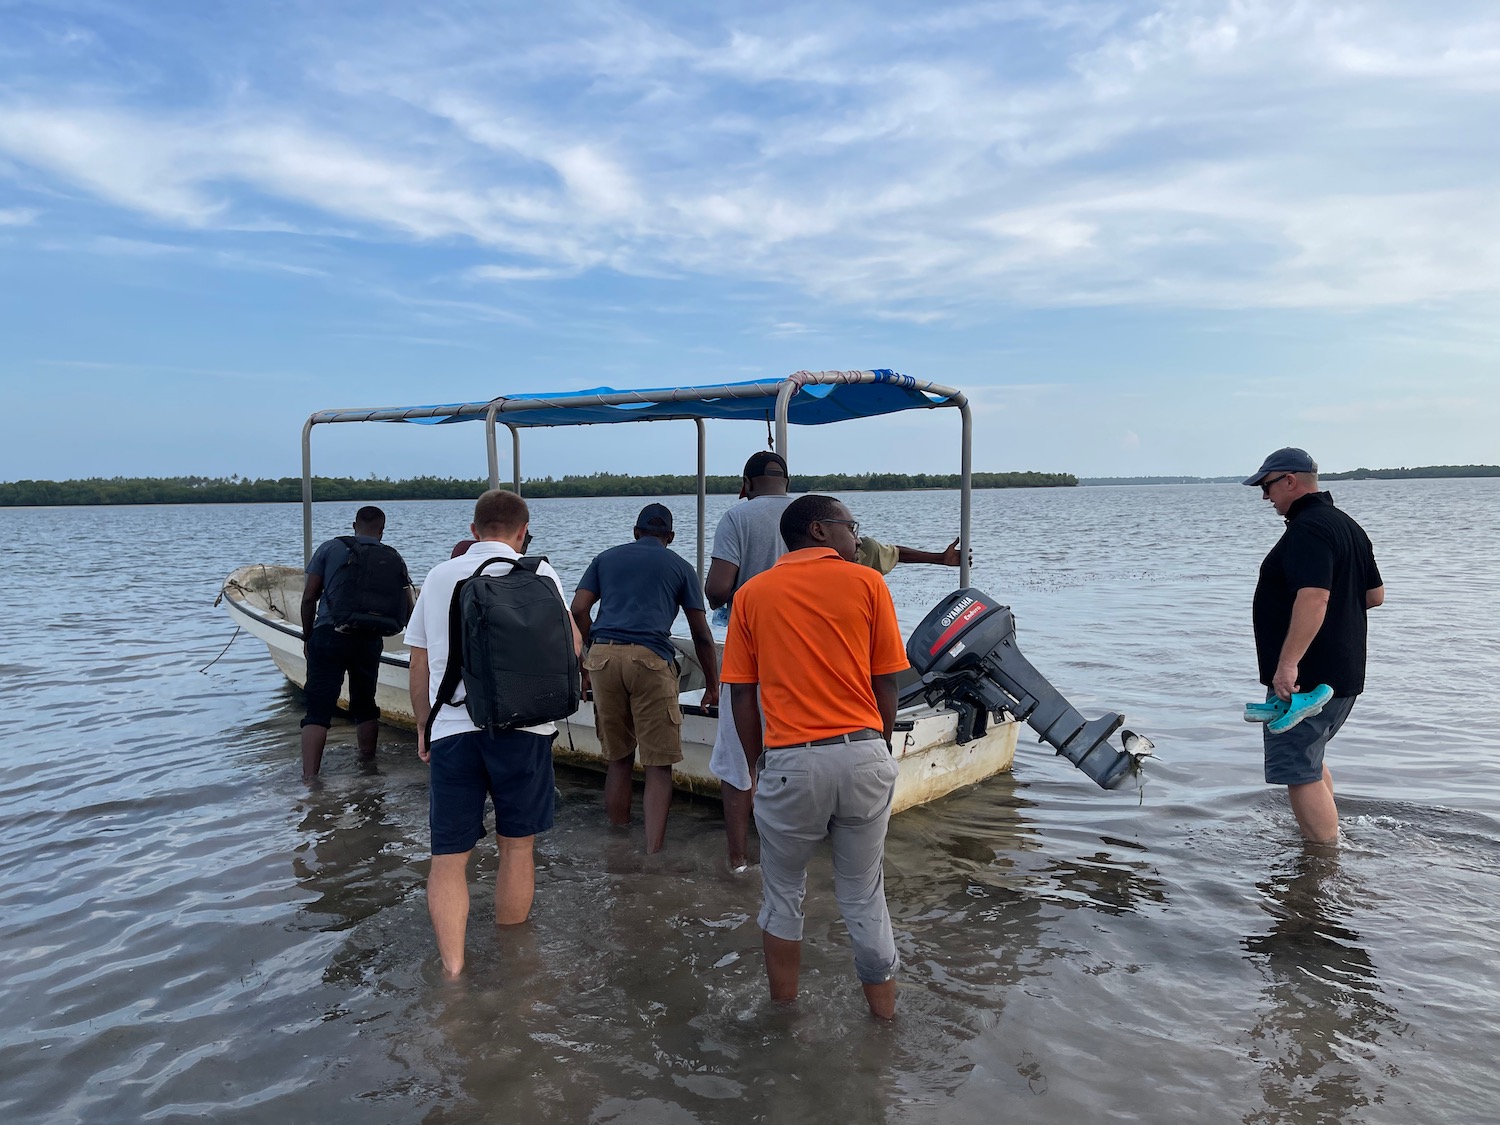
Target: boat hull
{"x": 265, "y": 601}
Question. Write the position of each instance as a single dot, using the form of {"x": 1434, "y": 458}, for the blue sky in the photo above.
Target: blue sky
{"x": 1145, "y": 238}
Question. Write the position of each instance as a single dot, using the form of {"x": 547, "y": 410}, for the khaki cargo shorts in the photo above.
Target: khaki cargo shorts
{"x": 635, "y": 703}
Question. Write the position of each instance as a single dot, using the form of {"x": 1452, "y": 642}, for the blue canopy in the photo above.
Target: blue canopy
{"x": 859, "y": 394}
{"x": 807, "y": 398}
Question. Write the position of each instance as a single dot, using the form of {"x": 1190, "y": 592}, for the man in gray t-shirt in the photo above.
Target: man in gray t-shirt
{"x": 746, "y": 542}
{"x": 748, "y": 538}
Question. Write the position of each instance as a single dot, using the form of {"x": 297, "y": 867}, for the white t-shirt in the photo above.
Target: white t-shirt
{"x": 428, "y": 628}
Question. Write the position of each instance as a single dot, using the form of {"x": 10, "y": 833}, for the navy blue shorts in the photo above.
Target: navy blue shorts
{"x": 513, "y": 769}
{"x": 1295, "y": 757}
{"x": 330, "y": 656}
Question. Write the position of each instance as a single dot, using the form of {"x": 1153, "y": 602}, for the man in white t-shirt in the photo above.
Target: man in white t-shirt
{"x": 747, "y": 542}
{"x": 513, "y": 768}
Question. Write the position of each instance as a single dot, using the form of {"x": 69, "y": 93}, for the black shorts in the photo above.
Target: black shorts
{"x": 513, "y": 769}
{"x": 330, "y": 656}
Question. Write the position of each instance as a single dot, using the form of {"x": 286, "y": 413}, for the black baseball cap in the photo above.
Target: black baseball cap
{"x": 1287, "y": 460}
{"x": 655, "y": 517}
{"x": 761, "y": 465}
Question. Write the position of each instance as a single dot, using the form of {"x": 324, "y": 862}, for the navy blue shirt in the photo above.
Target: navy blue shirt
{"x": 640, "y": 586}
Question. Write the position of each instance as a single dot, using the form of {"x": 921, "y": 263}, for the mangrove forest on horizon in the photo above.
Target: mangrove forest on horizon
{"x": 246, "y": 490}
{"x": 1421, "y": 472}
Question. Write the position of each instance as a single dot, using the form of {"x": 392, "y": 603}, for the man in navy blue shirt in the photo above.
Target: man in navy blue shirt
{"x": 632, "y": 667}
{"x": 333, "y": 650}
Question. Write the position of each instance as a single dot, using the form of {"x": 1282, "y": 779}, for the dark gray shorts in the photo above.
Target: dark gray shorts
{"x": 1295, "y": 757}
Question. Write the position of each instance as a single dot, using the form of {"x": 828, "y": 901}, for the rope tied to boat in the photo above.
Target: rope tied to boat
{"x": 222, "y": 651}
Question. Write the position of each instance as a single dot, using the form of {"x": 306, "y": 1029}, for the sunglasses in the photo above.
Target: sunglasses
{"x": 1265, "y": 485}
{"x": 852, "y": 525}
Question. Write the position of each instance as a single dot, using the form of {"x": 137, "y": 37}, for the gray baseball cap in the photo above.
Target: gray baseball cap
{"x": 1287, "y": 460}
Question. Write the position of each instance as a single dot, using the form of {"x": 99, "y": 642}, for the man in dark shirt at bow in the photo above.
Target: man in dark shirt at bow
{"x": 1315, "y": 588}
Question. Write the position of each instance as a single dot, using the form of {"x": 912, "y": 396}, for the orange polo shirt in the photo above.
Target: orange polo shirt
{"x": 811, "y": 631}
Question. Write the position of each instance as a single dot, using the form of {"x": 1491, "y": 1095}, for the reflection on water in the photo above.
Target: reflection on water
{"x": 1324, "y": 1013}
{"x": 187, "y": 932}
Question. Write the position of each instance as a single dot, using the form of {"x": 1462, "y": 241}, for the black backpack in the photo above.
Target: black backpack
{"x": 510, "y": 639}
{"x": 368, "y": 593}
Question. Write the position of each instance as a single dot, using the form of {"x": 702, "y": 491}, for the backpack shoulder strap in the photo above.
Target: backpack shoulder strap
{"x": 453, "y": 671}
{"x": 529, "y": 563}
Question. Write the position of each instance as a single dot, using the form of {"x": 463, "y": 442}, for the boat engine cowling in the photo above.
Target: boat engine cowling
{"x": 965, "y": 650}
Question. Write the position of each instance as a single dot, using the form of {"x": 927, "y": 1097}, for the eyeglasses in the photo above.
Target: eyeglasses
{"x": 1265, "y": 485}
{"x": 852, "y": 525}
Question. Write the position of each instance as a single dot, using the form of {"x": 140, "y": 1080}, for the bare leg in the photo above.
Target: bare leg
{"x": 882, "y": 999}
{"x": 738, "y": 805}
{"x": 658, "y": 801}
{"x": 448, "y": 906}
{"x": 783, "y": 964}
{"x": 1312, "y": 805}
{"x": 515, "y": 881}
{"x": 619, "y": 787}
{"x": 366, "y": 735}
{"x": 314, "y": 738}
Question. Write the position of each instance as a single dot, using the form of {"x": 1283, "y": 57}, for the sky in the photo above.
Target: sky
{"x": 1144, "y": 238}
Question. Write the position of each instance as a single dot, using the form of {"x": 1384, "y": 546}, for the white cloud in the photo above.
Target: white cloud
{"x": 516, "y": 273}
{"x": 1192, "y": 153}
{"x": 18, "y": 216}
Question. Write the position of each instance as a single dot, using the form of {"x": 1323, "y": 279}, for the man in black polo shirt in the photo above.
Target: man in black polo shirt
{"x": 1315, "y": 587}
{"x": 631, "y": 665}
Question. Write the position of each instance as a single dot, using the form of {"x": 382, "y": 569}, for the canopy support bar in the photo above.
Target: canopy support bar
{"x": 702, "y": 492}
{"x": 965, "y": 492}
{"x": 307, "y": 492}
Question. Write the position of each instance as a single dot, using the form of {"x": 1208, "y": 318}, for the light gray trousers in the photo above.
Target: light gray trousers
{"x": 842, "y": 792}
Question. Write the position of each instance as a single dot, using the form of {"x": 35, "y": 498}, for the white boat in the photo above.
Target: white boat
{"x": 265, "y": 600}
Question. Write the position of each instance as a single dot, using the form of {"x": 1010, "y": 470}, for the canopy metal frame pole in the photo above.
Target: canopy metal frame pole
{"x": 966, "y": 491}
{"x": 492, "y": 450}
{"x": 702, "y": 491}
{"x": 966, "y": 455}
{"x": 307, "y": 490}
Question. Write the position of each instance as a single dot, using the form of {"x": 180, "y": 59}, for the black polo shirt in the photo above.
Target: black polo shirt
{"x": 1323, "y": 548}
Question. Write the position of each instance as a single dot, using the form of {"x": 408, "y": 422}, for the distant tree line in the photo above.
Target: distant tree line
{"x": 1158, "y": 480}
{"x": 1425, "y": 471}
{"x": 245, "y": 490}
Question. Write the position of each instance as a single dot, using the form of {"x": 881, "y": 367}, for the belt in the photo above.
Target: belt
{"x": 838, "y": 739}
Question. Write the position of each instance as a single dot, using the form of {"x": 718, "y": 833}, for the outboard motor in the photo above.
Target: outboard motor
{"x": 966, "y": 651}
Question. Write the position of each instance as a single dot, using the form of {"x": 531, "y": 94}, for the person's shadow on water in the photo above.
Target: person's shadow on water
{"x": 1319, "y": 1031}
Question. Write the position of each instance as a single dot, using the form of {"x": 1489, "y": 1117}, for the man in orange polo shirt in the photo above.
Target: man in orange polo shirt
{"x": 813, "y": 643}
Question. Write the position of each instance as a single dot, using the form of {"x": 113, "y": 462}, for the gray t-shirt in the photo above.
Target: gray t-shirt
{"x": 749, "y": 536}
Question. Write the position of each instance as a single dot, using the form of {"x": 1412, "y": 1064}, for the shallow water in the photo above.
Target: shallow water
{"x": 187, "y": 932}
